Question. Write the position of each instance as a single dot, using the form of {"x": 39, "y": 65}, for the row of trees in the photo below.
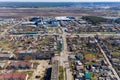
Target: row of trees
{"x": 117, "y": 20}
{"x": 94, "y": 19}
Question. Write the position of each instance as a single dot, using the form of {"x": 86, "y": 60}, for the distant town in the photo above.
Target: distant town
{"x": 59, "y": 41}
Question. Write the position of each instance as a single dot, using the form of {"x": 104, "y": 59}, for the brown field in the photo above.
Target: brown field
{"x": 23, "y": 12}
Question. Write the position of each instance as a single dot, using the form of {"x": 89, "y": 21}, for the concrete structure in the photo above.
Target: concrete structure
{"x": 62, "y": 18}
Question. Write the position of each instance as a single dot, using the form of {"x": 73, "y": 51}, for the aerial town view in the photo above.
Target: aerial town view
{"x": 60, "y": 40}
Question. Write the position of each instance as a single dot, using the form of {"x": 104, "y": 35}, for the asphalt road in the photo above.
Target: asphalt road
{"x": 64, "y": 57}
{"x": 5, "y": 31}
{"x": 111, "y": 67}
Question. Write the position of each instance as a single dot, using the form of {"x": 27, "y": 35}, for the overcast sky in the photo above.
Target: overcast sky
{"x": 60, "y": 0}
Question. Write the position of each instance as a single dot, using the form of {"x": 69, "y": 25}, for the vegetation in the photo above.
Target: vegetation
{"x": 94, "y": 19}
{"x": 117, "y": 20}
{"x": 61, "y": 73}
{"x": 94, "y": 78}
{"x": 65, "y": 74}
{"x": 35, "y": 65}
{"x": 28, "y": 58}
{"x": 58, "y": 50}
{"x": 30, "y": 73}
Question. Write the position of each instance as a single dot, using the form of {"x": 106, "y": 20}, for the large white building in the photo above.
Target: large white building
{"x": 62, "y": 18}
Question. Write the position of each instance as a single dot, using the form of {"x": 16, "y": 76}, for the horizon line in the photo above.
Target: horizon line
{"x": 66, "y": 1}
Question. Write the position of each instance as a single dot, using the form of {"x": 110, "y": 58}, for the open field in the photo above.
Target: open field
{"x": 23, "y": 12}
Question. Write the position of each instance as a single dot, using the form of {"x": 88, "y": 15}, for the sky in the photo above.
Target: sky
{"x": 60, "y": 0}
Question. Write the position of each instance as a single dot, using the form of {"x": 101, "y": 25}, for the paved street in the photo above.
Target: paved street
{"x": 5, "y": 31}
{"x": 64, "y": 57}
{"x": 64, "y": 54}
{"x": 111, "y": 67}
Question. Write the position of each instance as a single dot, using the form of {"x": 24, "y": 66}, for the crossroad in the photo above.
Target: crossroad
{"x": 64, "y": 58}
{"x": 9, "y": 27}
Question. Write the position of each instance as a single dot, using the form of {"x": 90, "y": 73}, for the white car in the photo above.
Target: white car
{"x": 78, "y": 63}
